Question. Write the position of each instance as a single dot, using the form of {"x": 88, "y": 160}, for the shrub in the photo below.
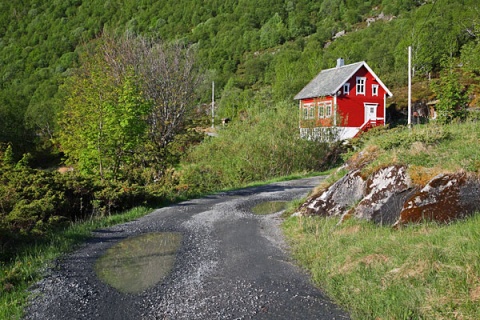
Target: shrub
{"x": 266, "y": 144}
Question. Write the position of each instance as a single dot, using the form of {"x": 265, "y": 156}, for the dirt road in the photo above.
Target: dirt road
{"x": 231, "y": 264}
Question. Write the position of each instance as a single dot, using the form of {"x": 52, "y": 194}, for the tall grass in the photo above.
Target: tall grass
{"x": 264, "y": 145}
{"x": 421, "y": 272}
{"x": 450, "y": 147}
{"x": 33, "y": 258}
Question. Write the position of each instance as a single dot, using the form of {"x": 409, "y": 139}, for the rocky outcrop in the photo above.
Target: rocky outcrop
{"x": 339, "y": 197}
{"x": 388, "y": 196}
{"x": 445, "y": 198}
{"x": 386, "y": 191}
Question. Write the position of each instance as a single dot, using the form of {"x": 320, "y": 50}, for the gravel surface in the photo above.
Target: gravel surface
{"x": 232, "y": 264}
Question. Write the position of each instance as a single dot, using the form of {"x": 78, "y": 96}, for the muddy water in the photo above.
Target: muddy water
{"x": 138, "y": 263}
{"x": 269, "y": 207}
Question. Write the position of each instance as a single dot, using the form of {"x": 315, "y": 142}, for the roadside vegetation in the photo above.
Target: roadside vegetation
{"x": 47, "y": 213}
{"x": 33, "y": 257}
{"x": 425, "y": 271}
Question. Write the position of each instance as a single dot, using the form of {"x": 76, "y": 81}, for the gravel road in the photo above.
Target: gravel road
{"x": 232, "y": 264}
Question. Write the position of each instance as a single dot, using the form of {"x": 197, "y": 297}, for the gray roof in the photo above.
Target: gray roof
{"x": 329, "y": 81}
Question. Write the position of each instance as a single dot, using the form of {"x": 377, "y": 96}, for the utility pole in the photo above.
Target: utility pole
{"x": 409, "y": 86}
{"x": 213, "y": 104}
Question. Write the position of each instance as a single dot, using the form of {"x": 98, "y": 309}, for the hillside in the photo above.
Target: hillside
{"x": 249, "y": 48}
{"x": 409, "y": 237}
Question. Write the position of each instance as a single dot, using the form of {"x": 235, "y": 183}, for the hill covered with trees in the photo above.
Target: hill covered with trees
{"x": 267, "y": 48}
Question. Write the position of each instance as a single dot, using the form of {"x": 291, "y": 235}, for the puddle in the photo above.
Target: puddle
{"x": 138, "y": 263}
{"x": 269, "y": 207}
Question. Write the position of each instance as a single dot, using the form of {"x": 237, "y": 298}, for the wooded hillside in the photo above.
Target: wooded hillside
{"x": 262, "y": 47}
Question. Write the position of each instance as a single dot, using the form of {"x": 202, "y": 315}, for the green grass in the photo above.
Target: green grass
{"x": 426, "y": 271}
{"x": 450, "y": 147}
{"x": 32, "y": 259}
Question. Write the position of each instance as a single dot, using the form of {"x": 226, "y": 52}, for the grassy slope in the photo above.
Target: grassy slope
{"x": 426, "y": 271}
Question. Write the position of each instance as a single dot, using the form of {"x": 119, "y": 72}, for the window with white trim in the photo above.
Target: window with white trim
{"x": 321, "y": 111}
{"x": 361, "y": 85}
{"x": 346, "y": 88}
{"x": 311, "y": 112}
{"x": 325, "y": 109}
{"x": 328, "y": 109}
{"x": 374, "y": 89}
{"x": 308, "y": 111}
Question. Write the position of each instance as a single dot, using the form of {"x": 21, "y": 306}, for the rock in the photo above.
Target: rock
{"x": 445, "y": 198}
{"x": 339, "y": 197}
{"x": 389, "y": 197}
{"x": 386, "y": 191}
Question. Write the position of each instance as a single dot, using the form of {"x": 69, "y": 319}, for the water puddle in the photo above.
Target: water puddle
{"x": 269, "y": 207}
{"x": 138, "y": 263}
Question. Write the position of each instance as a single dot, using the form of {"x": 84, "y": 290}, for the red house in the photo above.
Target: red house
{"x": 342, "y": 102}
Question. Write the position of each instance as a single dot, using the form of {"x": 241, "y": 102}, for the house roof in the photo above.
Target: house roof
{"x": 329, "y": 81}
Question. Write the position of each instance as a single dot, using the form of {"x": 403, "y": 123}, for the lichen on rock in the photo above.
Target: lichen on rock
{"x": 445, "y": 198}
{"x": 388, "y": 196}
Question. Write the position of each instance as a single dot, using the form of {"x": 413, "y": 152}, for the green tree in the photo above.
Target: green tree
{"x": 451, "y": 94}
{"x": 103, "y": 122}
{"x": 274, "y": 32}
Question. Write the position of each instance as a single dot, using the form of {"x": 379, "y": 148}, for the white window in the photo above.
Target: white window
{"x": 305, "y": 113}
{"x": 374, "y": 89}
{"x": 308, "y": 111}
{"x": 361, "y": 85}
{"x": 346, "y": 88}
{"x": 311, "y": 112}
{"x": 328, "y": 109}
{"x": 325, "y": 109}
{"x": 321, "y": 110}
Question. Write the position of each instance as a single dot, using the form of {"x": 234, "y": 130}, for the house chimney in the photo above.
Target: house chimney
{"x": 340, "y": 62}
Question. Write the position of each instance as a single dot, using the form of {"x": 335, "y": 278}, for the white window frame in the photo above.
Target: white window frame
{"x": 325, "y": 109}
{"x": 346, "y": 88}
{"x": 328, "y": 109}
{"x": 321, "y": 110}
{"x": 305, "y": 112}
{"x": 374, "y": 90}
{"x": 308, "y": 111}
{"x": 311, "y": 112}
{"x": 361, "y": 84}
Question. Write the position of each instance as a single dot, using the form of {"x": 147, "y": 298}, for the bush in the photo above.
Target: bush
{"x": 32, "y": 202}
{"x": 265, "y": 145}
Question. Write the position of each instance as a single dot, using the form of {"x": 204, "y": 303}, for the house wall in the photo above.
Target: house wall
{"x": 317, "y": 120}
{"x": 351, "y": 107}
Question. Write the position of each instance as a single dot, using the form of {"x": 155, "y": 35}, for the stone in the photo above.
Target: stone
{"x": 339, "y": 197}
{"x": 389, "y": 197}
{"x": 386, "y": 191}
{"x": 445, "y": 198}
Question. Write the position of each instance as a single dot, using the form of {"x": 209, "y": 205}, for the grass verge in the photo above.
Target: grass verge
{"x": 33, "y": 259}
{"x": 426, "y": 271}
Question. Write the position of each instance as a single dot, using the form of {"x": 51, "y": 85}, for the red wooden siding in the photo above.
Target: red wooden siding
{"x": 350, "y": 107}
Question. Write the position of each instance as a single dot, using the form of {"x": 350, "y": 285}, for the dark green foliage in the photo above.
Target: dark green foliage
{"x": 35, "y": 201}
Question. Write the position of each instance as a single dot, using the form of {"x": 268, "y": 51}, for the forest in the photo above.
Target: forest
{"x": 118, "y": 92}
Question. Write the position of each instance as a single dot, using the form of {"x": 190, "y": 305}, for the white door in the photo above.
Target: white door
{"x": 370, "y": 111}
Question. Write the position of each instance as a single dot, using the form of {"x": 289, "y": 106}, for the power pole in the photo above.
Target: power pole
{"x": 410, "y": 86}
{"x": 213, "y": 104}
